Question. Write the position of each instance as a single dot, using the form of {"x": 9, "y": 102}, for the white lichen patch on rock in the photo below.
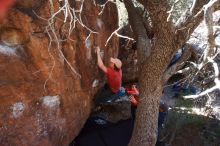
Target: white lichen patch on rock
{"x": 51, "y": 101}
{"x": 88, "y": 43}
{"x": 88, "y": 46}
{"x": 95, "y": 83}
{"x": 99, "y": 23}
{"x": 41, "y": 125}
{"x": 9, "y": 51}
{"x": 17, "y": 109}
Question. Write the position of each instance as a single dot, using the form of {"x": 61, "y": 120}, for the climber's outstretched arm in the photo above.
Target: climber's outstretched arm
{"x": 99, "y": 60}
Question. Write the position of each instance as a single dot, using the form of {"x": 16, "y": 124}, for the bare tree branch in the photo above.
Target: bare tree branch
{"x": 71, "y": 16}
{"x": 171, "y": 10}
{"x": 143, "y": 42}
{"x": 103, "y": 6}
{"x": 208, "y": 10}
{"x": 179, "y": 64}
{"x": 216, "y": 80}
{"x": 188, "y": 15}
{"x": 192, "y": 9}
{"x": 209, "y": 53}
{"x": 188, "y": 22}
{"x": 116, "y": 33}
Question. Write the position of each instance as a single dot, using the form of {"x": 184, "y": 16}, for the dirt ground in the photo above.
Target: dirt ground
{"x": 190, "y": 125}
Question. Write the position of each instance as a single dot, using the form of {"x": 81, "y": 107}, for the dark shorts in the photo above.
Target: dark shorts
{"x": 104, "y": 95}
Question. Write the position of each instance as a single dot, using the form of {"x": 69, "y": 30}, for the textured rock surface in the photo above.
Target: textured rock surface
{"x": 115, "y": 111}
{"x": 42, "y": 102}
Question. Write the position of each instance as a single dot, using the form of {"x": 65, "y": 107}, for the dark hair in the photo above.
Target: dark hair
{"x": 115, "y": 68}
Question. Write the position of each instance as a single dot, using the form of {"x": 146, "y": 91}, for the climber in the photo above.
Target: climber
{"x": 5, "y": 5}
{"x": 133, "y": 93}
{"x": 114, "y": 78}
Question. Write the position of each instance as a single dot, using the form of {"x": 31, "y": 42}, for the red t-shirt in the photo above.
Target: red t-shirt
{"x": 4, "y": 6}
{"x": 114, "y": 79}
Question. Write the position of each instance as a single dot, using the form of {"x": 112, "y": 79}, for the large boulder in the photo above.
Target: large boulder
{"x": 46, "y": 91}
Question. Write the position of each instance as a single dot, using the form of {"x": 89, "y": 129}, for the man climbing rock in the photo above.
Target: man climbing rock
{"x": 114, "y": 78}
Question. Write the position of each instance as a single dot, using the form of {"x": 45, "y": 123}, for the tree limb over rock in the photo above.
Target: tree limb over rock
{"x": 170, "y": 71}
{"x": 137, "y": 25}
{"x": 189, "y": 15}
{"x": 209, "y": 52}
{"x": 208, "y": 10}
{"x": 216, "y": 80}
{"x": 187, "y": 23}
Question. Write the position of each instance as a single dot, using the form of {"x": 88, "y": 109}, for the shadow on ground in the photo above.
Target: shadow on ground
{"x": 108, "y": 134}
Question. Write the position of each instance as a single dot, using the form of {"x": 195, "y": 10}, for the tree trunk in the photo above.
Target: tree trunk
{"x": 145, "y": 130}
{"x": 168, "y": 38}
{"x": 146, "y": 118}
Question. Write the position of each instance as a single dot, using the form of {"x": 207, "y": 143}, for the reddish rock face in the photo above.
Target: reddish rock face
{"x": 44, "y": 101}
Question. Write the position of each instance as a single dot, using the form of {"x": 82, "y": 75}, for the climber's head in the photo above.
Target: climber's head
{"x": 115, "y": 63}
{"x": 5, "y": 5}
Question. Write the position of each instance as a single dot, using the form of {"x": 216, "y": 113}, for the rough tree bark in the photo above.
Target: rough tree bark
{"x": 143, "y": 43}
{"x": 168, "y": 38}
